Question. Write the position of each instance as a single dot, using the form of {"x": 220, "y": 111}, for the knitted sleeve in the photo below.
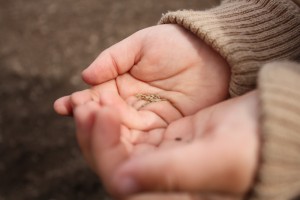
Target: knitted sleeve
{"x": 278, "y": 176}
{"x": 247, "y": 33}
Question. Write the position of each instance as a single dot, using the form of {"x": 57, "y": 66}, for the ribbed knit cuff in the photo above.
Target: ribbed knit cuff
{"x": 247, "y": 33}
{"x": 279, "y": 171}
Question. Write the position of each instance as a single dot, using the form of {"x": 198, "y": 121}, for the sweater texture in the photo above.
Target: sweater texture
{"x": 260, "y": 39}
{"x": 247, "y": 33}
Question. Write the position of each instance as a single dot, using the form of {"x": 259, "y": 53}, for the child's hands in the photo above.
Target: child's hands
{"x": 213, "y": 150}
{"x": 166, "y": 60}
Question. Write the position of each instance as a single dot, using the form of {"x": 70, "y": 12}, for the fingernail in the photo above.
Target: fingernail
{"x": 128, "y": 186}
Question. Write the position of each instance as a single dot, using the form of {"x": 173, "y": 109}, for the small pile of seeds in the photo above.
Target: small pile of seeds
{"x": 149, "y": 98}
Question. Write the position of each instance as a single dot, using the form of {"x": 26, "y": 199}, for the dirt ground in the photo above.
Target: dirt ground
{"x": 44, "y": 45}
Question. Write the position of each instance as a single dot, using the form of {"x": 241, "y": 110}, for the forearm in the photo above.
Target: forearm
{"x": 246, "y": 33}
{"x": 279, "y": 169}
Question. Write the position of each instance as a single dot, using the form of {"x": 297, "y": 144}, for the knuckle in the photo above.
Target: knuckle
{"x": 75, "y": 98}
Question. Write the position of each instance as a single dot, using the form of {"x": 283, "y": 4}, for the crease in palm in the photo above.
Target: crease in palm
{"x": 170, "y": 63}
{"x": 145, "y": 124}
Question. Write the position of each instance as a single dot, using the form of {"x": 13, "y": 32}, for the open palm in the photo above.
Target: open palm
{"x": 182, "y": 72}
{"x": 197, "y": 153}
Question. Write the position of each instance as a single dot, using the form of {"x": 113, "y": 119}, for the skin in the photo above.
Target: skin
{"x": 222, "y": 142}
{"x": 114, "y": 129}
{"x": 165, "y": 60}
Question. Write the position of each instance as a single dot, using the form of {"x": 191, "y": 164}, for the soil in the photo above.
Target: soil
{"x": 44, "y": 45}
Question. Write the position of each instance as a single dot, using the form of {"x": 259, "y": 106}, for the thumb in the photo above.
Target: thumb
{"x": 114, "y": 61}
{"x": 207, "y": 168}
{"x": 107, "y": 149}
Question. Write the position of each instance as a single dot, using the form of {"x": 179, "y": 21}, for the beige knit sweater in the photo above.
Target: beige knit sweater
{"x": 259, "y": 38}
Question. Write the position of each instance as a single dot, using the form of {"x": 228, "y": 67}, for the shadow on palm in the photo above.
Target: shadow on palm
{"x": 205, "y": 142}
{"x": 166, "y": 61}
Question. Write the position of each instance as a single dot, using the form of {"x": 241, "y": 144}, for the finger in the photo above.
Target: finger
{"x": 153, "y": 137}
{"x": 107, "y": 149}
{"x": 164, "y": 109}
{"x": 66, "y": 104}
{"x": 84, "y": 116}
{"x": 81, "y": 97}
{"x": 141, "y": 120}
{"x": 63, "y": 106}
{"x": 114, "y": 61}
{"x": 195, "y": 167}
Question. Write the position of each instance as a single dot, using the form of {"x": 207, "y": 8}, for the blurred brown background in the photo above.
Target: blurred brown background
{"x": 44, "y": 45}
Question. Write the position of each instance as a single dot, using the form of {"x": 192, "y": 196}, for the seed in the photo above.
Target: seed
{"x": 149, "y": 98}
